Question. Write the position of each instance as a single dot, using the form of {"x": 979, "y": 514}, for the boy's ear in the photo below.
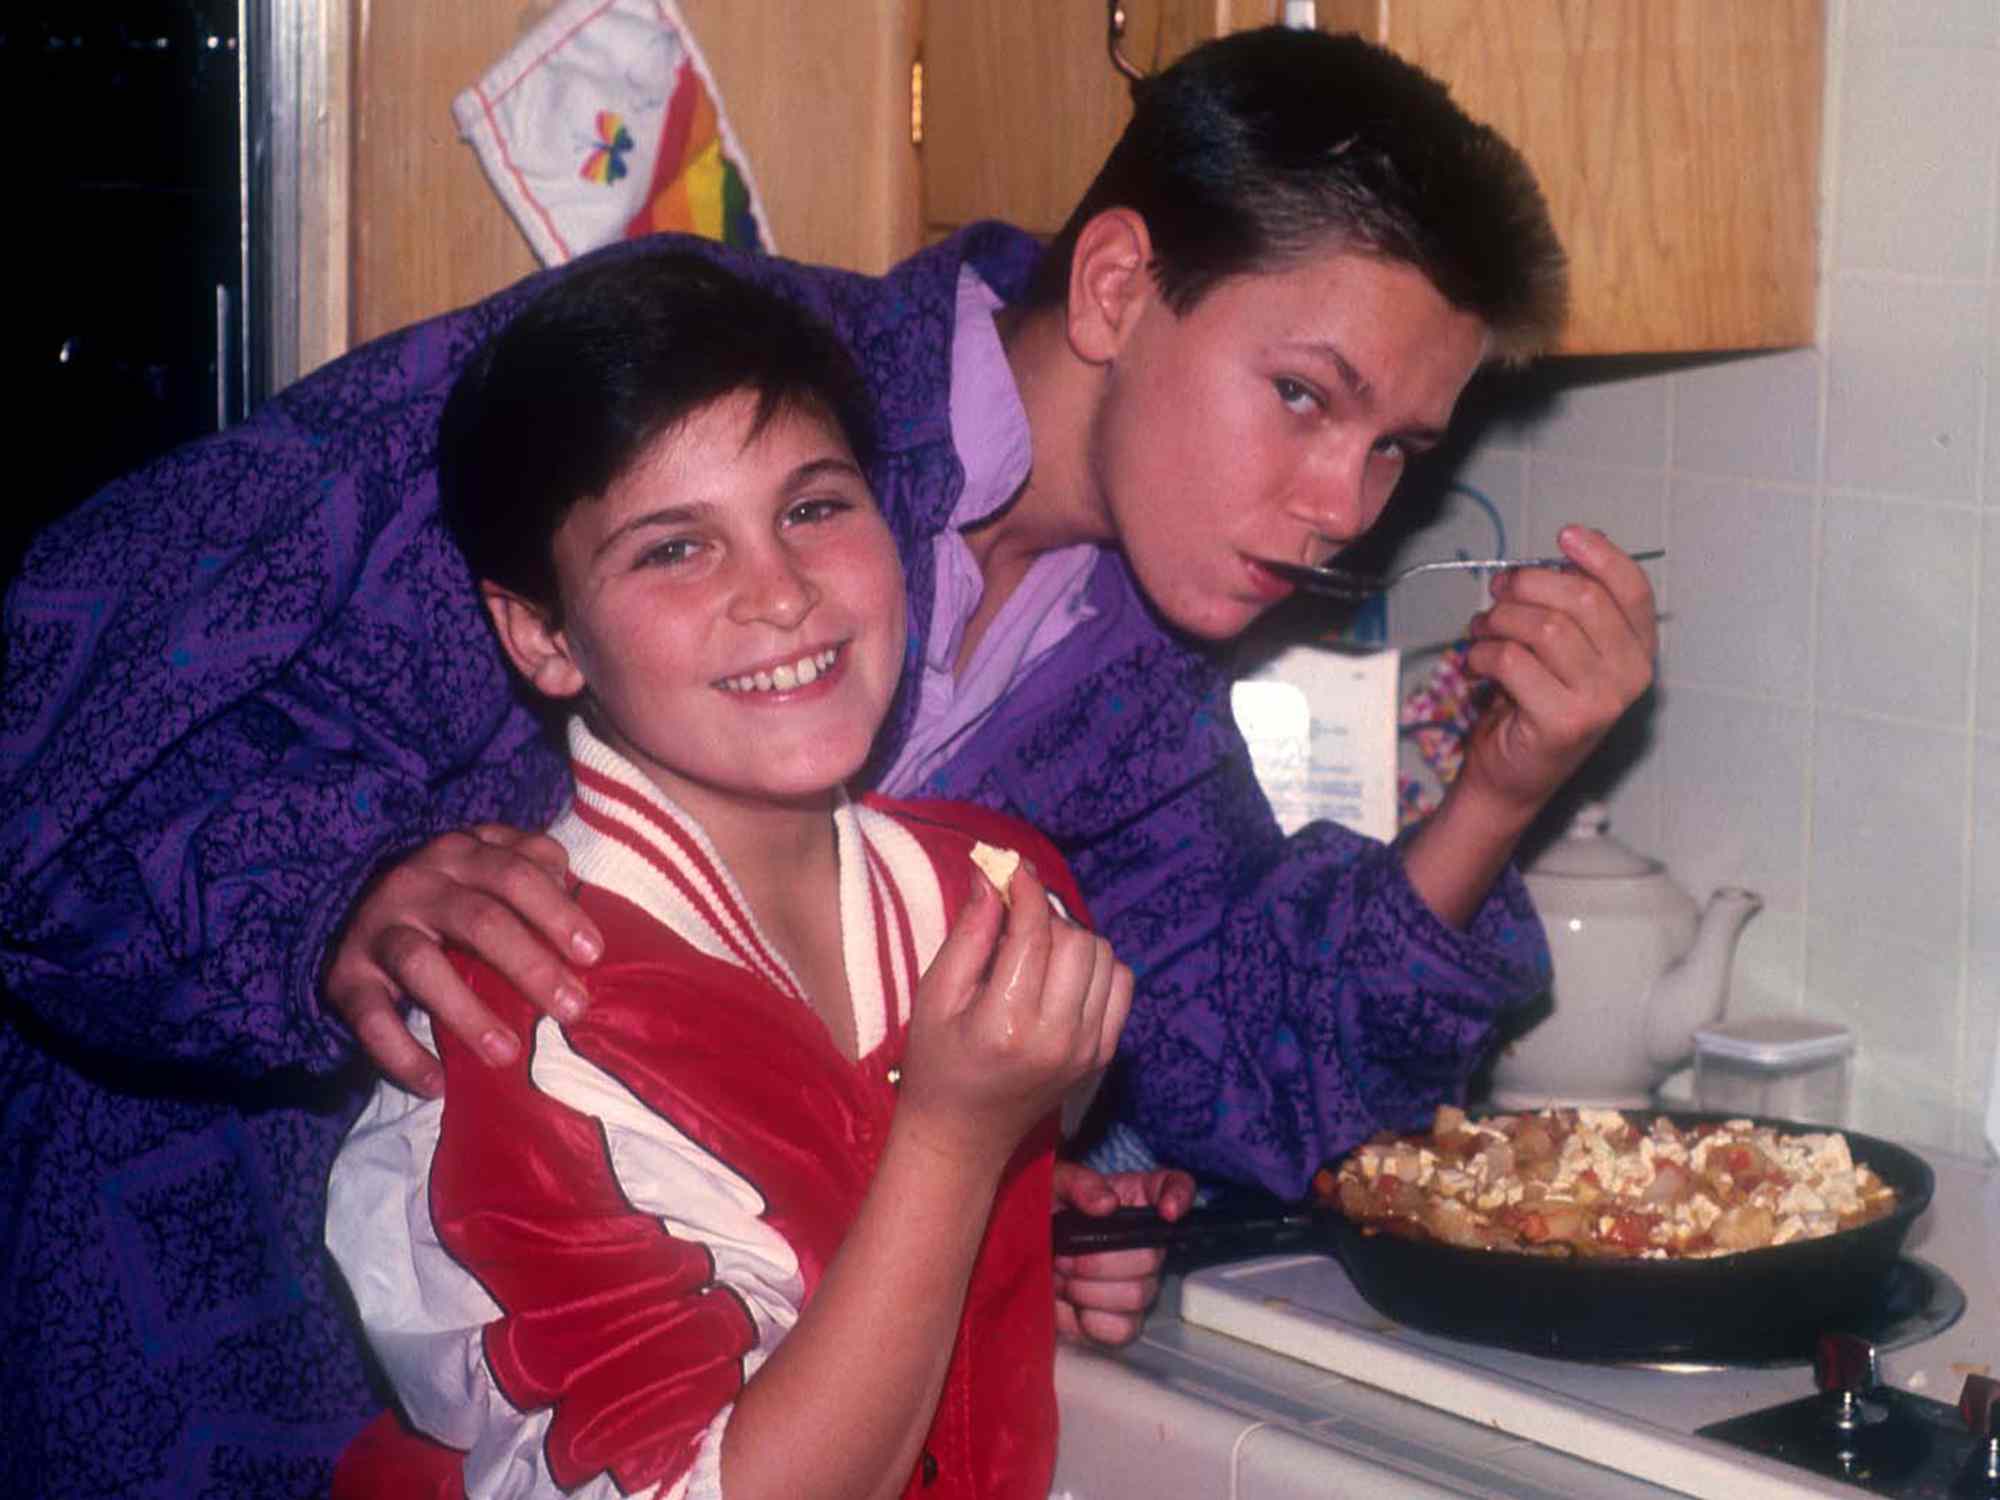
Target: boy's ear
{"x": 1110, "y": 282}
{"x": 539, "y": 652}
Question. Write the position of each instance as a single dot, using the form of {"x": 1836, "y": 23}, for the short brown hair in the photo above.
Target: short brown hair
{"x": 1266, "y": 147}
{"x": 554, "y": 408}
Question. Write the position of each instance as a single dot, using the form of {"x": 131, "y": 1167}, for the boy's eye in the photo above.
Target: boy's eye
{"x": 670, "y": 552}
{"x": 1296, "y": 394}
{"x": 821, "y": 508}
{"x": 1405, "y": 448}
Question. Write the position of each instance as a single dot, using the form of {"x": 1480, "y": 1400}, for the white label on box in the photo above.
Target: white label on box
{"x": 1277, "y": 725}
{"x": 1321, "y": 724}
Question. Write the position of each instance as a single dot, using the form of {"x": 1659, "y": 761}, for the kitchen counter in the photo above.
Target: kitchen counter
{"x": 1368, "y": 1408}
{"x": 1186, "y": 1412}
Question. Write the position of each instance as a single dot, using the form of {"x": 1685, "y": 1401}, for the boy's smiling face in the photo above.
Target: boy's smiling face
{"x": 733, "y": 607}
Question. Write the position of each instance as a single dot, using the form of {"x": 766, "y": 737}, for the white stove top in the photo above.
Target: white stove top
{"x": 1637, "y": 1421}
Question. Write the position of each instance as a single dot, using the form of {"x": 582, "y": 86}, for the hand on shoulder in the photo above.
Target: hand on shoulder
{"x": 494, "y": 891}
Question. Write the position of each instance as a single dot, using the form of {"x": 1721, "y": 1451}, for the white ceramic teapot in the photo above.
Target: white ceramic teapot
{"x": 1638, "y": 967}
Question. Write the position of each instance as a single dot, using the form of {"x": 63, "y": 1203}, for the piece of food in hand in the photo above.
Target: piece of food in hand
{"x": 1593, "y": 1183}
{"x": 997, "y": 865}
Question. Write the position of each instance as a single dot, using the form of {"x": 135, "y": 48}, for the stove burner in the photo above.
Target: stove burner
{"x": 1889, "y": 1441}
{"x": 1918, "y": 1302}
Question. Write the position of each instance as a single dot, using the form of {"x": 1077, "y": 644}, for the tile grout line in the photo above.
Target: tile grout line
{"x": 1830, "y": 136}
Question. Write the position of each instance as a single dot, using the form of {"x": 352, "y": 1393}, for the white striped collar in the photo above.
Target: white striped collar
{"x": 624, "y": 834}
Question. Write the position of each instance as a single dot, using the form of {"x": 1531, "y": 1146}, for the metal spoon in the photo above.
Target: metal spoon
{"x": 1354, "y": 588}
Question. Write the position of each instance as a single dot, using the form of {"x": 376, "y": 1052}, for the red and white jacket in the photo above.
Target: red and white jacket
{"x": 571, "y": 1266}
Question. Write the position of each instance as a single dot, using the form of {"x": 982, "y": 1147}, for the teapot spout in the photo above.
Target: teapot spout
{"x": 1695, "y": 990}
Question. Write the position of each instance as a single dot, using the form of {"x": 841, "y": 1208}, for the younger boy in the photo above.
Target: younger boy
{"x": 771, "y": 1218}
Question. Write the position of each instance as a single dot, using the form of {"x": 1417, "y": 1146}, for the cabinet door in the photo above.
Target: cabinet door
{"x": 1021, "y": 103}
{"x": 817, "y": 94}
{"x": 1677, "y": 141}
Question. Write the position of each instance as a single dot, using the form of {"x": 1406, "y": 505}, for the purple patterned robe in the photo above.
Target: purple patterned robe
{"x": 242, "y": 678}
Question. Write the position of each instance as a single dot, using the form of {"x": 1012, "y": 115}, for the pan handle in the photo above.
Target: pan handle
{"x": 1207, "y": 1232}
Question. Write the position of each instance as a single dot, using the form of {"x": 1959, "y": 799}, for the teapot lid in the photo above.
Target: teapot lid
{"x": 1588, "y": 851}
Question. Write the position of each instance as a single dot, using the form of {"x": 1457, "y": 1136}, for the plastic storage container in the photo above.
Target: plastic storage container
{"x": 1783, "y": 1067}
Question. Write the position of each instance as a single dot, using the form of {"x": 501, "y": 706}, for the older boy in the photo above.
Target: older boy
{"x": 243, "y": 684}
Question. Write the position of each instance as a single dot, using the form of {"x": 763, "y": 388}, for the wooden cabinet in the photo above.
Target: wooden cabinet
{"x": 1677, "y": 140}
{"x": 1021, "y": 103}
{"x": 818, "y": 95}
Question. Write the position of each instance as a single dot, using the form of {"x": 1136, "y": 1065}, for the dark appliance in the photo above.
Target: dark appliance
{"x": 129, "y": 333}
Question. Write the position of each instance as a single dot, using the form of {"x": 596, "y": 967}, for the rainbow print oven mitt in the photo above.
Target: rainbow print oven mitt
{"x": 603, "y": 123}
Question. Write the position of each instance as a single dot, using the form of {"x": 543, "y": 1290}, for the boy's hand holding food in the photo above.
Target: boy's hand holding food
{"x": 1018, "y": 1005}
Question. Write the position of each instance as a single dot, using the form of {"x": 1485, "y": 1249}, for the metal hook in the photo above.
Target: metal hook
{"x": 1115, "y": 33}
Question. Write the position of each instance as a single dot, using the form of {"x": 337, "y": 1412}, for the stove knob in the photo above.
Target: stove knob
{"x": 1976, "y": 1403}
{"x": 1979, "y": 1404}
{"x": 1844, "y": 1368}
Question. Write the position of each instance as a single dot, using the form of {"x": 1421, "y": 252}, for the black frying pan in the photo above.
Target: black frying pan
{"x": 1755, "y": 1307}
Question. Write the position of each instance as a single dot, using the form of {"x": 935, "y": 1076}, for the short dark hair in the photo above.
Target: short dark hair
{"x": 1260, "y": 149}
{"x": 560, "y": 403}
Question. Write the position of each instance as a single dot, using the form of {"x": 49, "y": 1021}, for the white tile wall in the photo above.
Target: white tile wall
{"x": 1888, "y": 807}
{"x": 1896, "y": 585}
{"x": 1752, "y": 418}
{"x": 1740, "y": 619}
{"x": 1827, "y": 726}
{"x": 1915, "y": 155}
{"x": 1964, "y": 23}
{"x": 1986, "y": 690}
{"x": 1905, "y": 383}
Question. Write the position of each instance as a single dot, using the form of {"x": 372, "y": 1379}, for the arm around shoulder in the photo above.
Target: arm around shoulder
{"x": 235, "y": 680}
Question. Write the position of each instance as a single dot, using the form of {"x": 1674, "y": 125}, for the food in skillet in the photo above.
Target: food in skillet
{"x": 1590, "y": 1182}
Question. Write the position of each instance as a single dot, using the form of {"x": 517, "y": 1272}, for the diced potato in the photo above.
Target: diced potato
{"x": 1593, "y": 1182}
{"x": 1747, "y": 1226}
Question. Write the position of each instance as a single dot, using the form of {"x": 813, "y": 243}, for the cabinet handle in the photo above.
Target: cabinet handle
{"x": 1302, "y": 15}
{"x": 1114, "y": 34}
